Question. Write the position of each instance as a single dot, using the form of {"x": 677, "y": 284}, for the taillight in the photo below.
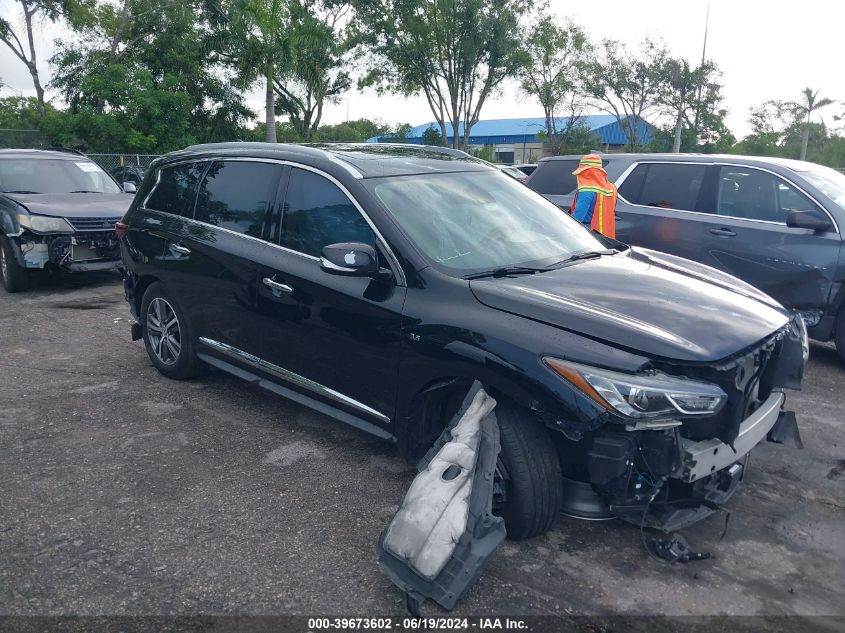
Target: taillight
{"x": 120, "y": 229}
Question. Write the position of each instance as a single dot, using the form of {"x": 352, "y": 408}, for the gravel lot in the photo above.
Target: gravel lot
{"x": 124, "y": 493}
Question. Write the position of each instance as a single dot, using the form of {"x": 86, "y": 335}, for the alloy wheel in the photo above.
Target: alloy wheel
{"x": 4, "y": 265}
{"x": 163, "y": 331}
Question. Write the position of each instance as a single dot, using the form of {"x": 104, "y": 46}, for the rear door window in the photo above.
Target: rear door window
{"x": 665, "y": 185}
{"x": 176, "y": 188}
{"x": 748, "y": 193}
{"x": 235, "y": 195}
{"x": 317, "y": 213}
{"x": 554, "y": 177}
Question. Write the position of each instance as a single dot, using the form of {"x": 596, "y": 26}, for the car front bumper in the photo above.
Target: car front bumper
{"x": 706, "y": 457}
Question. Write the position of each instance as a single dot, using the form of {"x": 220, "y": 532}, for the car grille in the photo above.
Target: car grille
{"x": 93, "y": 224}
{"x": 743, "y": 379}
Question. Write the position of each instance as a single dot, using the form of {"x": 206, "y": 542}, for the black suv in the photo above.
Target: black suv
{"x": 772, "y": 222}
{"x": 58, "y": 211}
{"x": 375, "y": 283}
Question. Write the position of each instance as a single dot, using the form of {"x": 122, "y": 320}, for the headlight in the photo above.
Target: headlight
{"x": 45, "y": 224}
{"x": 653, "y": 395}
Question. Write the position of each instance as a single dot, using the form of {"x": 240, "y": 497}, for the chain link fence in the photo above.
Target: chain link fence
{"x": 15, "y": 138}
{"x": 112, "y": 162}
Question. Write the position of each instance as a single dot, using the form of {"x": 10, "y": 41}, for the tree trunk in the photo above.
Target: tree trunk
{"x": 39, "y": 90}
{"x": 679, "y": 128}
{"x": 805, "y": 140}
{"x": 270, "y": 110}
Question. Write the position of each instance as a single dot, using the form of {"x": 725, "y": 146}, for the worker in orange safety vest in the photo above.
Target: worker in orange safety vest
{"x": 595, "y": 201}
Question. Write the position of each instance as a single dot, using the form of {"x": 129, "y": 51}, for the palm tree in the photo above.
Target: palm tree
{"x": 260, "y": 31}
{"x": 805, "y": 110}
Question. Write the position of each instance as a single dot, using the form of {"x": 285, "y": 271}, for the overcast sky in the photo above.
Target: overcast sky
{"x": 766, "y": 49}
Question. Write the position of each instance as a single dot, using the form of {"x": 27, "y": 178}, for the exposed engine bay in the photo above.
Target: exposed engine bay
{"x": 668, "y": 478}
{"x": 84, "y": 250}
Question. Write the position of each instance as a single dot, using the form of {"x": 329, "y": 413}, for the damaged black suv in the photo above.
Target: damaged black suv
{"x": 58, "y": 211}
{"x": 375, "y": 283}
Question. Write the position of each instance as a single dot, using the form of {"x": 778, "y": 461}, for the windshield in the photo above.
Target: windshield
{"x": 472, "y": 221}
{"x": 54, "y": 175}
{"x": 829, "y": 181}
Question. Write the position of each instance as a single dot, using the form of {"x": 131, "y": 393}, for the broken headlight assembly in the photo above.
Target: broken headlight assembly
{"x": 649, "y": 397}
{"x": 44, "y": 224}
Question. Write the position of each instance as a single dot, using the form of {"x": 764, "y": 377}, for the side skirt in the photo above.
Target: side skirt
{"x": 290, "y": 394}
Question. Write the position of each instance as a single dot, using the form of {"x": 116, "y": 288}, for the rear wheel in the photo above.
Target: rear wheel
{"x": 168, "y": 336}
{"x": 12, "y": 274}
{"x": 529, "y": 481}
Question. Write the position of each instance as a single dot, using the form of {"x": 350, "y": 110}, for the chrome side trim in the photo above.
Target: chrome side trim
{"x": 291, "y": 377}
{"x": 619, "y": 181}
{"x": 394, "y": 261}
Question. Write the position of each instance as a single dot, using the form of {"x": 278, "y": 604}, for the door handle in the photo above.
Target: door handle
{"x": 723, "y": 232}
{"x": 275, "y": 285}
{"x": 180, "y": 249}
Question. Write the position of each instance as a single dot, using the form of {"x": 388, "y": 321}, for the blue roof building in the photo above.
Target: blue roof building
{"x": 517, "y": 138}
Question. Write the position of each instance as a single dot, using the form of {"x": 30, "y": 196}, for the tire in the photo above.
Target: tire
{"x": 170, "y": 346}
{"x": 533, "y": 476}
{"x": 839, "y": 335}
{"x": 14, "y": 277}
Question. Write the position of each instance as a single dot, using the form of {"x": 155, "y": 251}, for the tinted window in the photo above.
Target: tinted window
{"x": 317, "y": 213}
{"x": 235, "y": 195}
{"x": 175, "y": 190}
{"x": 554, "y": 177}
{"x": 665, "y": 185}
{"x": 758, "y": 195}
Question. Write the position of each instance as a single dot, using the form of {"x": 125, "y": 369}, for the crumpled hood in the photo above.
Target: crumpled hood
{"x": 642, "y": 301}
{"x": 75, "y": 205}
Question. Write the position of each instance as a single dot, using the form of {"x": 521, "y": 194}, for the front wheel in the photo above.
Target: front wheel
{"x": 12, "y": 274}
{"x": 529, "y": 473}
{"x": 167, "y": 333}
{"x": 839, "y": 336}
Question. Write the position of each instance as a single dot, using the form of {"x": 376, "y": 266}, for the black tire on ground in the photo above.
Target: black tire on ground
{"x": 14, "y": 277}
{"x": 535, "y": 484}
{"x": 174, "y": 355}
{"x": 839, "y": 335}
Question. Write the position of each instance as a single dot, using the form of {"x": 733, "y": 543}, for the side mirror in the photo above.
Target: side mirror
{"x": 352, "y": 259}
{"x": 129, "y": 187}
{"x": 814, "y": 220}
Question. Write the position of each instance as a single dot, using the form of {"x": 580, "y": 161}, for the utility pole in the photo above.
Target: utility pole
{"x": 703, "y": 59}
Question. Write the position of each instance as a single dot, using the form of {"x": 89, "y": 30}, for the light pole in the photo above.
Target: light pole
{"x": 524, "y": 137}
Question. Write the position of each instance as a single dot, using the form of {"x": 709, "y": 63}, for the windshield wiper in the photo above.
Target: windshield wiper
{"x": 506, "y": 271}
{"x": 85, "y": 191}
{"x": 19, "y": 191}
{"x": 587, "y": 255}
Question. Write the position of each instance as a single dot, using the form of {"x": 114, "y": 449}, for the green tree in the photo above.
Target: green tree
{"x": 316, "y": 75}
{"x": 119, "y": 75}
{"x": 455, "y": 52}
{"x": 22, "y": 42}
{"x": 431, "y": 136}
{"x": 20, "y": 113}
{"x": 252, "y": 36}
{"x": 554, "y": 72}
{"x": 805, "y": 109}
{"x": 628, "y": 84}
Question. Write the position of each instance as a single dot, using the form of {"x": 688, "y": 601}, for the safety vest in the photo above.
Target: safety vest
{"x": 604, "y": 214}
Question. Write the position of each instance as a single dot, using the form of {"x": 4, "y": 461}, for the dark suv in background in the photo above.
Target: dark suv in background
{"x": 375, "y": 283}
{"x": 774, "y": 223}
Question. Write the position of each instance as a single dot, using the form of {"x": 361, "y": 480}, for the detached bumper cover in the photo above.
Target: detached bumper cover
{"x": 444, "y": 532}
{"x": 704, "y": 458}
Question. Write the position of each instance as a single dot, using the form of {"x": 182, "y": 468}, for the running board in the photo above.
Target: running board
{"x": 290, "y": 394}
